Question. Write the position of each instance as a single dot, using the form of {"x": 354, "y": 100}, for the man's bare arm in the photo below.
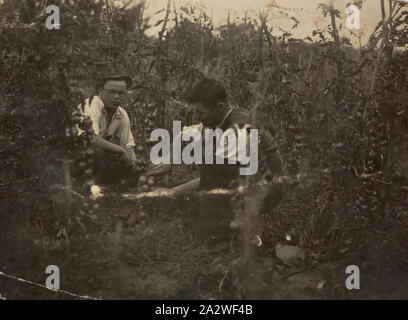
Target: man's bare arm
{"x": 186, "y": 187}
{"x": 159, "y": 169}
{"x": 107, "y": 146}
{"x": 131, "y": 154}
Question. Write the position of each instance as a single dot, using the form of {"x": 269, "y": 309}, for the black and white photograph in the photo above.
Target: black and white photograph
{"x": 224, "y": 151}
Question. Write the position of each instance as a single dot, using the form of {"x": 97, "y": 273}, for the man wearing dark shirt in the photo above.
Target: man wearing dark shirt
{"x": 211, "y": 104}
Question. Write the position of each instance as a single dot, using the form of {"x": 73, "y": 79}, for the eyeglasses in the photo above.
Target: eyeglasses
{"x": 114, "y": 92}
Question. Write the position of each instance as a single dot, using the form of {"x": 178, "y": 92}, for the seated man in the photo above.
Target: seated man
{"x": 112, "y": 140}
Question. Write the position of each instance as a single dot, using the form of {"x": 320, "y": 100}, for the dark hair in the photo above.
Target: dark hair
{"x": 114, "y": 77}
{"x": 208, "y": 92}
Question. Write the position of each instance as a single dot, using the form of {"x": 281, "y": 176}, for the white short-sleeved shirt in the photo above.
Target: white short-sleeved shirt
{"x": 118, "y": 130}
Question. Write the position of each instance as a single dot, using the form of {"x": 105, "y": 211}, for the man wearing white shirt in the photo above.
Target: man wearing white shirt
{"x": 110, "y": 123}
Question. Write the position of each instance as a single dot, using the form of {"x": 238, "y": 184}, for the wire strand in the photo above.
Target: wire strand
{"x": 43, "y": 286}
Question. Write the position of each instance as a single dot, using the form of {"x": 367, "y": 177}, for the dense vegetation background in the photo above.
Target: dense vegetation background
{"x": 338, "y": 115}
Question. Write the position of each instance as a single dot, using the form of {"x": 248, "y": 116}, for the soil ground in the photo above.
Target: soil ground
{"x": 162, "y": 256}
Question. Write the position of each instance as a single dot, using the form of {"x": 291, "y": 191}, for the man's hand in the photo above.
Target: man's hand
{"x": 124, "y": 156}
{"x": 158, "y": 169}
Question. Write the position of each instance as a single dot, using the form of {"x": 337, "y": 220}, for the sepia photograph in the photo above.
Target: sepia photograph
{"x": 224, "y": 151}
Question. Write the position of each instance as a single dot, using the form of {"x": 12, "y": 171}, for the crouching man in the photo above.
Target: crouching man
{"x": 209, "y": 98}
{"x": 112, "y": 139}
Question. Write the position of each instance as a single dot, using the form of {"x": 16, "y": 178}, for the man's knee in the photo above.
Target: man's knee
{"x": 272, "y": 199}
